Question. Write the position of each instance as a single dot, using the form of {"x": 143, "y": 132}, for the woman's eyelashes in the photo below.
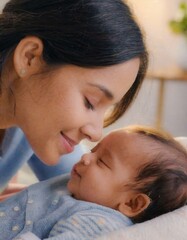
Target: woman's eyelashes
{"x": 88, "y": 104}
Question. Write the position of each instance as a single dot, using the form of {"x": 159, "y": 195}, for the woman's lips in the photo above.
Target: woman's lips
{"x": 68, "y": 143}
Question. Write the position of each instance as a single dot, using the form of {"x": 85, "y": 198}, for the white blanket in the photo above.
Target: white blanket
{"x": 170, "y": 226}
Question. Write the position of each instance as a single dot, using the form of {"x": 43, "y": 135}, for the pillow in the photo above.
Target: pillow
{"x": 182, "y": 140}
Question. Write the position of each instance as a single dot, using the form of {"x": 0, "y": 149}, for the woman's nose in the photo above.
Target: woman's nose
{"x": 93, "y": 131}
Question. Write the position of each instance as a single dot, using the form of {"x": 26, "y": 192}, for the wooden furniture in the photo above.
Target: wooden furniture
{"x": 163, "y": 75}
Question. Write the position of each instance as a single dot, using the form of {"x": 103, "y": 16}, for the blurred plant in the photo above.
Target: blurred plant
{"x": 179, "y": 24}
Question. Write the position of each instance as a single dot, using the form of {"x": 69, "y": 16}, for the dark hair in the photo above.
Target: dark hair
{"x": 164, "y": 178}
{"x": 88, "y": 33}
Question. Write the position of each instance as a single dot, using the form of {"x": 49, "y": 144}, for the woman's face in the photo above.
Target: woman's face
{"x": 59, "y": 109}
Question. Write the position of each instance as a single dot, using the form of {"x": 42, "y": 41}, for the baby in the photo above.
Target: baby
{"x": 133, "y": 175}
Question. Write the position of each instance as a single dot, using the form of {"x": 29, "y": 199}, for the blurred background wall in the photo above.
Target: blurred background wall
{"x": 165, "y": 49}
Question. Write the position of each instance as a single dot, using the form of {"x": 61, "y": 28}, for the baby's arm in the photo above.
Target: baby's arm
{"x": 85, "y": 225}
{"x": 78, "y": 226}
{"x": 89, "y": 223}
{"x": 82, "y": 225}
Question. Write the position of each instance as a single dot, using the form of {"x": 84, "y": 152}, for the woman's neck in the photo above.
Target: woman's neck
{"x": 6, "y": 114}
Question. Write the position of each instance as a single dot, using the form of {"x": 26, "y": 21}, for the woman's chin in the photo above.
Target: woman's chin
{"x": 49, "y": 158}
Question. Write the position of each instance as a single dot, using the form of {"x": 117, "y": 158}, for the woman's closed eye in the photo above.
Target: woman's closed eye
{"x": 88, "y": 104}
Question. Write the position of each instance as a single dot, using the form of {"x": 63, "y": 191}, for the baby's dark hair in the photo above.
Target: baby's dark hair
{"x": 164, "y": 178}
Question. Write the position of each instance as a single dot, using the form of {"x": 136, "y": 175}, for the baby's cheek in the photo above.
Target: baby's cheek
{"x": 94, "y": 193}
{"x": 88, "y": 191}
{"x": 71, "y": 187}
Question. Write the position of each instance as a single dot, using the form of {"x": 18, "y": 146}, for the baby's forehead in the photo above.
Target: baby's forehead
{"x": 130, "y": 143}
{"x": 124, "y": 135}
{"x": 120, "y": 140}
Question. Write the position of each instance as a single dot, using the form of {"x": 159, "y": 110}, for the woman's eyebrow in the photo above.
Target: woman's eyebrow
{"x": 107, "y": 93}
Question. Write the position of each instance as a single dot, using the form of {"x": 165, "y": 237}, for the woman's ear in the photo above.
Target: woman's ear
{"x": 27, "y": 57}
{"x": 135, "y": 205}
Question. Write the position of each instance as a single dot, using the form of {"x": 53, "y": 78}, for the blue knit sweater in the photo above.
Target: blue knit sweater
{"x": 47, "y": 211}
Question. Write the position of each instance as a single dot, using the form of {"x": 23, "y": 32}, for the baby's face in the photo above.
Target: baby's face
{"x": 100, "y": 176}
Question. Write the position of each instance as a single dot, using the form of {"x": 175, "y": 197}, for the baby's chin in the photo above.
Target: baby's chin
{"x": 70, "y": 189}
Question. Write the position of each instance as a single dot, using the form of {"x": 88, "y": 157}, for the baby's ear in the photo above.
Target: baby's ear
{"x": 135, "y": 205}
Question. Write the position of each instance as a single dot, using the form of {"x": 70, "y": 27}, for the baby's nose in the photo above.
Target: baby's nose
{"x": 86, "y": 159}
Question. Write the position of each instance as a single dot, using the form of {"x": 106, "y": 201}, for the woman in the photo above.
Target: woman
{"x": 63, "y": 64}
